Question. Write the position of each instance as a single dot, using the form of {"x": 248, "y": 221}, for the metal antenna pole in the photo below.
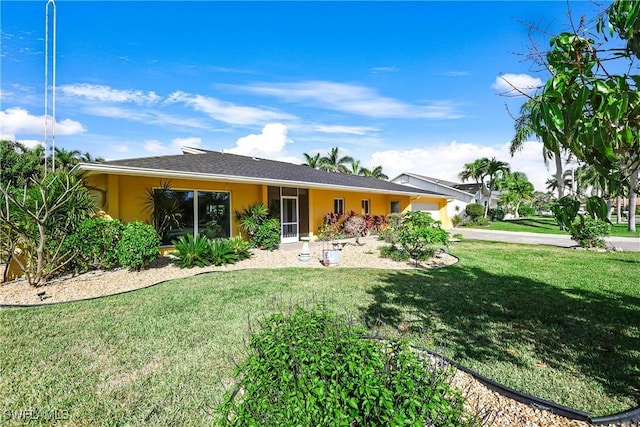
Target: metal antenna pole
{"x": 46, "y": 88}
{"x": 53, "y": 112}
{"x": 46, "y": 82}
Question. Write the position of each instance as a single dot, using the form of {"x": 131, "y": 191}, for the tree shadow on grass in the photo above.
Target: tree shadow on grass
{"x": 488, "y": 318}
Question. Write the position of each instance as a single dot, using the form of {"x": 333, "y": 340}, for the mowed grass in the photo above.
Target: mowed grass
{"x": 548, "y": 225}
{"x": 557, "y": 323}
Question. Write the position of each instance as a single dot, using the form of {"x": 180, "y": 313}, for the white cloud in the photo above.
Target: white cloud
{"x": 352, "y": 99}
{"x": 269, "y": 143}
{"x": 194, "y": 142}
{"x": 31, "y": 143}
{"x": 108, "y": 94}
{"x": 351, "y": 130}
{"x": 148, "y": 117}
{"x": 17, "y": 121}
{"x": 445, "y": 161}
{"x": 122, "y": 148}
{"x": 517, "y": 84}
{"x": 156, "y": 148}
{"x": 227, "y": 112}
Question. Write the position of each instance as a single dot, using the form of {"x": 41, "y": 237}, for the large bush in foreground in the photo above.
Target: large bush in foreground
{"x": 95, "y": 244}
{"x": 140, "y": 245}
{"x": 310, "y": 369}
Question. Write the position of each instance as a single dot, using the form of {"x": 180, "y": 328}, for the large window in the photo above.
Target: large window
{"x": 395, "y": 207}
{"x": 180, "y": 212}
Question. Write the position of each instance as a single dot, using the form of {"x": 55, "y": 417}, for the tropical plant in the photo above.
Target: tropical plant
{"x": 333, "y": 162}
{"x": 517, "y": 189}
{"x": 164, "y": 208}
{"x": 139, "y": 246}
{"x": 18, "y": 163}
{"x": 222, "y": 252}
{"x": 240, "y": 247}
{"x": 590, "y": 232}
{"x": 192, "y": 251}
{"x": 65, "y": 160}
{"x": 37, "y": 219}
{"x": 251, "y": 217}
{"x": 595, "y": 113}
{"x": 312, "y": 161}
{"x": 552, "y": 147}
{"x": 376, "y": 172}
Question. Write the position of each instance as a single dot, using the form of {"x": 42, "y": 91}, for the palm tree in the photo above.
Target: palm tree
{"x": 376, "y": 173}
{"x": 66, "y": 160}
{"x": 88, "y": 158}
{"x": 332, "y": 162}
{"x": 552, "y": 147}
{"x": 474, "y": 170}
{"x": 495, "y": 170}
{"x": 356, "y": 169}
{"x": 312, "y": 161}
{"x": 518, "y": 189}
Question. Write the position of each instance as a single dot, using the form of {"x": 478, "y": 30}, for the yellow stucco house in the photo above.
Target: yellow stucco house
{"x": 210, "y": 186}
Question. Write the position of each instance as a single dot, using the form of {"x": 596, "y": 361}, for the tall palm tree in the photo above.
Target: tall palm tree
{"x": 474, "y": 170}
{"x": 332, "y": 162}
{"x": 495, "y": 170}
{"x": 312, "y": 161}
{"x": 552, "y": 147}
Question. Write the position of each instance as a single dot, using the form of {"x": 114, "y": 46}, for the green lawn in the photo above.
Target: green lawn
{"x": 558, "y": 323}
{"x": 548, "y": 225}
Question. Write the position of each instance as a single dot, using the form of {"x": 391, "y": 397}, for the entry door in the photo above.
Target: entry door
{"x": 289, "y": 219}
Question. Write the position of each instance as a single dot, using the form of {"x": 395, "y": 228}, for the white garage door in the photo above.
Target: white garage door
{"x": 432, "y": 208}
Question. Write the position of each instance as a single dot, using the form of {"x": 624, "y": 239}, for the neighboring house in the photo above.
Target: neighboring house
{"x": 460, "y": 194}
{"x": 211, "y": 186}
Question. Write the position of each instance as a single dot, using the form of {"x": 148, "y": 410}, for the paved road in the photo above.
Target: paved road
{"x": 625, "y": 243}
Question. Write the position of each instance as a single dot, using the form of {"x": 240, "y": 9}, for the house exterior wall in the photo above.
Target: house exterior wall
{"x": 445, "y": 210}
{"x": 124, "y": 198}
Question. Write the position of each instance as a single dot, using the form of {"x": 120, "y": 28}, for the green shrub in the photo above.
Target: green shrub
{"x": 240, "y": 247}
{"x": 420, "y": 235}
{"x": 589, "y": 232}
{"x": 394, "y": 253}
{"x": 310, "y": 369}
{"x": 474, "y": 210}
{"x": 267, "y": 236}
{"x": 95, "y": 244}
{"x": 526, "y": 210}
{"x": 192, "y": 252}
{"x": 222, "y": 252}
{"x": 496, "y": 214}
{"x": 140, "y": 245}
{"x": 479, "y": 221}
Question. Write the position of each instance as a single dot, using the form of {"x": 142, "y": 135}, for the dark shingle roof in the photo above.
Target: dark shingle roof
{"x": 220, "y": 164}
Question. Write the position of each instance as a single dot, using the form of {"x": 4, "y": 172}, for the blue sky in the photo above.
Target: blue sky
{"x": 411, "y": 86}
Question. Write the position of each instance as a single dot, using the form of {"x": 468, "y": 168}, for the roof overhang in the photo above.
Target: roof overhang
{"x": 88, "y": 169}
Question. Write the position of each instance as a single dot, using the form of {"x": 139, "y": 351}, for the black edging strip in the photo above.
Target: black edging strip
{"x": 621, "y": 418}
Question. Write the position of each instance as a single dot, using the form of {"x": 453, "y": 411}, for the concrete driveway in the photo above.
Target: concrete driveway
{"x": 625, "y": 243}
